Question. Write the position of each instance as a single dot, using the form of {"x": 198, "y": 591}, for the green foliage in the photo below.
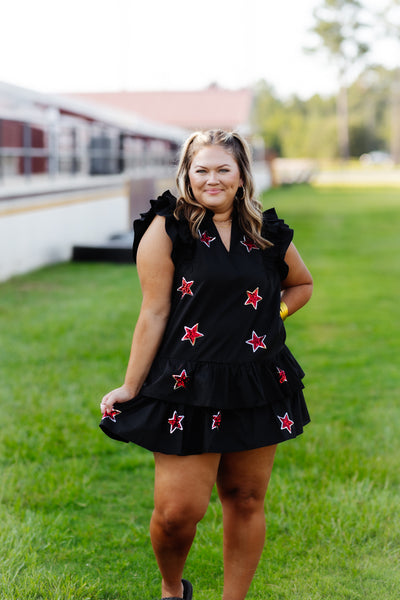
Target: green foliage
{"x": 269, "y": 116}
{"x": 361, "y": 117}
{"x": 370, "y": 107}
{"x": 293, "y": 128}
{"x": 308, "y": 128}
{"x": 75, "y": 506}
{"x": 337, "y": 26}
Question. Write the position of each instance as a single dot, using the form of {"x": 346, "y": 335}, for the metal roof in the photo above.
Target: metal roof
{"x": 18, "y": 103}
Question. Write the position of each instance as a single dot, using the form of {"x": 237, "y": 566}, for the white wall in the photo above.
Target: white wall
{"x": 43, "y": 230}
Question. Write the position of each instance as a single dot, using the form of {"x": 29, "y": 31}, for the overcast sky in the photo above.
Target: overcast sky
{"x": 101, "y": 45}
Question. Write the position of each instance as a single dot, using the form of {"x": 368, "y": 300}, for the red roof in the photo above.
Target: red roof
{"x": 210, "y": 108}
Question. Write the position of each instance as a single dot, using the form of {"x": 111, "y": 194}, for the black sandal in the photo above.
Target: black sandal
{"x": 187, "y": 592}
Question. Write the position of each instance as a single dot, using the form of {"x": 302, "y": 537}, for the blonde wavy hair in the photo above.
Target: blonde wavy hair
{"x": 249, "y": 208}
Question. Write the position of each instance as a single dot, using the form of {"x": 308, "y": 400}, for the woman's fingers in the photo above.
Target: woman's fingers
{"x": 107, "y": 403}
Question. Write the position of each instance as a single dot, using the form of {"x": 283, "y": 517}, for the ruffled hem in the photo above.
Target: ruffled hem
{"x": 173, "y": 428}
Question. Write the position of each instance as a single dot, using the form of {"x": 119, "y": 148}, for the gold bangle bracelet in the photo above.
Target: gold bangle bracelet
{"x": 284, "y": 311}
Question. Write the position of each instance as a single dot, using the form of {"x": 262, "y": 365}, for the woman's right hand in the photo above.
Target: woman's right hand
{"x": 121, "y": 394}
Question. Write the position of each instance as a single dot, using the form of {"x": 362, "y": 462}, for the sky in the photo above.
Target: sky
{"x": 111, "y": 45}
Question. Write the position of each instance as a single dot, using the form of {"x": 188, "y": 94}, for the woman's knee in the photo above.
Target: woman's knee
{"x": 244, "y": 502}
{"x": 175, "y": 517}
{"x": 183, "y": 486}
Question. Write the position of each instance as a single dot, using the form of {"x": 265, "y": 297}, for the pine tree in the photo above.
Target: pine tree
{"x": 339, "y": 28}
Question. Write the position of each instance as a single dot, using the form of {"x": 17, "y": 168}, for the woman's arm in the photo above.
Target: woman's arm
{"x": 156, "y": 271}
{"x": 298, "y": 285}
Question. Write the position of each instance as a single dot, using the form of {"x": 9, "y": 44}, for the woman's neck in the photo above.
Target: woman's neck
{"x": 222, "y": 218}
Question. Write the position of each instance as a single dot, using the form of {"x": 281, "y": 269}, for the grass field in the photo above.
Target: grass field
{"x": 75, "y": 506}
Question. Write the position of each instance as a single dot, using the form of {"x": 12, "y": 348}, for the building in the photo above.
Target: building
{"x": 75, "y": 171}
{"x": 56, "y": 135}
{"x": 210, "y": 108}
{"x": 72, "y": 173}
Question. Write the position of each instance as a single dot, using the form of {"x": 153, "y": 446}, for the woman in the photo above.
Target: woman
{"x": 210, "y": 386}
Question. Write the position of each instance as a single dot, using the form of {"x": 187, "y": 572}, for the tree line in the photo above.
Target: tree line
{"x": 363, "y": 116}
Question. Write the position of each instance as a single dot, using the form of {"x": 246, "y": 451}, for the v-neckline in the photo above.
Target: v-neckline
{"x": 227, "y": 248}
{"x": 210, "y": 215}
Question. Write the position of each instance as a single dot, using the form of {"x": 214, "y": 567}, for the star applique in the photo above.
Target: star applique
{"x": 180, "y": 380}
{"x": 257, "y": 341}
{"x": 286, "y": 423}
{"x": 206, "y": 239}
{"x": 192, "y": 334}
{"x": 250, "y": 245}
{"x": 253, "y": 298}
{"x": 185, "y": 287}
{"x": 111, "y": 415}
{"x": 282, "y": 375}
{"x": 175, "y": 422}
{"x": 216, "y": 424}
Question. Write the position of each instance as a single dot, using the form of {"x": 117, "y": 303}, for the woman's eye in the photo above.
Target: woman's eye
{"x": 224, "y": 170}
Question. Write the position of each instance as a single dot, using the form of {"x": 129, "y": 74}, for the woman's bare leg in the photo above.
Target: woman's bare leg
{"x": 242, "y": 481}
{"x": 182, "y": 491}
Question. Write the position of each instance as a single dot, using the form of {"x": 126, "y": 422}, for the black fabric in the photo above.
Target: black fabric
{"x": 223, "y": 379}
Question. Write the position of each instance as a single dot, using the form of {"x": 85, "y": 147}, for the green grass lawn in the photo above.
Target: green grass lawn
{"x": 75, "y": 505}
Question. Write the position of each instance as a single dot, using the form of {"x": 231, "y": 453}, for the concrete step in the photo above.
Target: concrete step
{"x": 117, "y": 249}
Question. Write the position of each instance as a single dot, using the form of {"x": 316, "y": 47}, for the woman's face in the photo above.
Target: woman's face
{"x": 214, "y": 177}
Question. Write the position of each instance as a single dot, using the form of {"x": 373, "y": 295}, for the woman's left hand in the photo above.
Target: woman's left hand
{"x": 121, "y": 394}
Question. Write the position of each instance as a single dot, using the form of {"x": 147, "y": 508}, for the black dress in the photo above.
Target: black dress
{"x": 223, "y": 379}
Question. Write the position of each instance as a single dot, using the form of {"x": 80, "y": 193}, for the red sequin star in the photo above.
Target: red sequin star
{"x": 175, "y": 422}
{"x": 253, "y": 298}
{"x": 286, "y": 423}
{"x": 111, "y": 415}
{"x": 206, "y": 239}
{"x": 257, "y": 342}
{"x": 185, "y": 287}
{"x": 181, "y": 380}
{"x": 192, "y": 334}
{"x": 250, "y": 245}
{"x": 216, "y": 424}
{"x": 282, "y": 375}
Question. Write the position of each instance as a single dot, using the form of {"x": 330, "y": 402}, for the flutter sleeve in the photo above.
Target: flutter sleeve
{"x": 280, "y": 234}
{"x": 177, "y": 229}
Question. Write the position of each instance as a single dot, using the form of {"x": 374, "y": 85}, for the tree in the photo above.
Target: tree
{"x": 294, "y": 127}
{"x": 388, "y": 21}
{"x": 339, "y": 27}
{"x": 268, "y": 116}
{"x": 368, "y": 110}
{"x": 297, "y": 128}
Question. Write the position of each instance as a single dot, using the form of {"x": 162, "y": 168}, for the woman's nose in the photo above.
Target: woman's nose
{"x": 212, "y": 177}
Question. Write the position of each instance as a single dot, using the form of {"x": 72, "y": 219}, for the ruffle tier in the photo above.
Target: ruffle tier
{"x": 280, "y": 234}
{"x": 207, "y": 384}
{"x": 177, "y": 229}
{"x": 173, "y": 428}
{"x": 184, "y": 412}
